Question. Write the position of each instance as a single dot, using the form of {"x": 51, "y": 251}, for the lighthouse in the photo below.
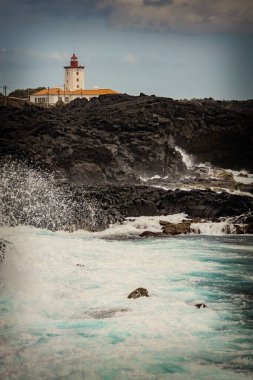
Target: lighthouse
{"x": 73, "y": 88}
{"x": 74, "y": 75}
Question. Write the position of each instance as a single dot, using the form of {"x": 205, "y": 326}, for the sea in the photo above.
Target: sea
{"x": 64, "y": 307}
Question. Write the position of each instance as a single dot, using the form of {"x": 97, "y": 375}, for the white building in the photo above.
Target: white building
{"x": 74, "y": 75}
{"x": 73, "y": 87}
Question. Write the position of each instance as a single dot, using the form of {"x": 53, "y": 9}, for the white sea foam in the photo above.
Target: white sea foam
{"x": 242, "y": 176}
{"x": 135, "y": 226}
{"x": 146, "y": 179}
{"x": 206, "y": 172}
{"x": 212, "y": 228}
{"x": 50, "y": 307}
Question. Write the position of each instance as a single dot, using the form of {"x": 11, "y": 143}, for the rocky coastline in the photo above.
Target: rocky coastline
{"x": 122, "y": 155}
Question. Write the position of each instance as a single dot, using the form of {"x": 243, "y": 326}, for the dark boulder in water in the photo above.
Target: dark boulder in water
{"x": 139, "y": 292}
{"x": 147, "y": 234}
{"x": 243, "y": 228}
{"x": 200, "y": 305}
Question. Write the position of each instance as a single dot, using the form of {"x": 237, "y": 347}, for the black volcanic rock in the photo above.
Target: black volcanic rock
{"x": 134, "y": 201}
{"x": 216, "y": 131}
{"x": 97, "y": 151}
{"x": 139, "y": 292}
{"x": 117, "y": 138}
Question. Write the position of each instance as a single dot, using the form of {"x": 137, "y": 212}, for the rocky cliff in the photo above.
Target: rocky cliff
{"x": 83, "y": 165}
{"x": 118, "y": 138}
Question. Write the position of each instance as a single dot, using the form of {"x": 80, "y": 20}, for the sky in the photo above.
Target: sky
{"x": 181, "y": 49}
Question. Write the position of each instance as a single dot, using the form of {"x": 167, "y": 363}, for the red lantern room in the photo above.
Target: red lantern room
{"x": 74, "y": 61}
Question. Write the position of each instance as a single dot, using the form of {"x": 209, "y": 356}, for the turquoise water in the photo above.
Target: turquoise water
{"x": 65, "y": 312}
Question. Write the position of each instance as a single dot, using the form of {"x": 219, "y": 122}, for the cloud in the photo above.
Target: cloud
{"x": 158, "y": 3}
{"x": 182, "y": 16}
{"x": 34, "y": 11}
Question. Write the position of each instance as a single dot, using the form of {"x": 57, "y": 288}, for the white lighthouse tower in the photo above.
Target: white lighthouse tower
{"x": 74, "y": 75}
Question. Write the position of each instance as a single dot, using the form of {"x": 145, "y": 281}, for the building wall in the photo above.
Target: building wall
{"x": 74, "y": 78}
{"x": 44, "y": 99}
{"x": 52, "y": 99}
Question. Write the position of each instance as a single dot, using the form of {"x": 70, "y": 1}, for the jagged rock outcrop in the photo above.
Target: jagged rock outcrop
{"x": 133, "y": 201}
{"x": 176, "y": 228}
{"x": 139, "y": 292}
{"x": 117, "y": 138}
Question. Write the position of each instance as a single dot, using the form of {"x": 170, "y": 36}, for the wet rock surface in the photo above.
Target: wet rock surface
{"x": 139, "y": 292}
{"x": 148, "y": 234}
{"x": 200, "y": 305}
{"x": 176, "y": 228}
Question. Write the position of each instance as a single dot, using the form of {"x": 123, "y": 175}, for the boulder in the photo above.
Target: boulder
{"x": 139, "y": 292}
{"x": 200, "y": 305}
{"x": 147, "y": 234}
{"x": 176, "y": 228}
{"x": 244, "y": 228}
{"x": 163, "y": 222}
{"x": 244, "y": 175}
{"x": 197, "y": 220}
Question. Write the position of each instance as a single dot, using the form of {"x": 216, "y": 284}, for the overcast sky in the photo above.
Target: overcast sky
{"x": 172, "y": 48}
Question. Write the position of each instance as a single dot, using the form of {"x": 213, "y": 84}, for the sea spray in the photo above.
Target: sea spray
{"x": 186, "y": 158}
{"x": 31, "y": 196}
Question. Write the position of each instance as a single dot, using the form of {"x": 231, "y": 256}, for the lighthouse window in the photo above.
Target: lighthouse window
{"x": 77, "y": 73}
{"x": 77, "y": 86}
{"x": 77, "y": 80}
